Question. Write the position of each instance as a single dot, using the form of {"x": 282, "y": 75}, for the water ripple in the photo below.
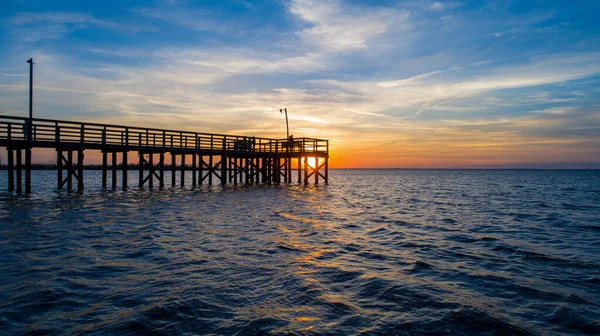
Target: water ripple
{"x": 375, "y": 252}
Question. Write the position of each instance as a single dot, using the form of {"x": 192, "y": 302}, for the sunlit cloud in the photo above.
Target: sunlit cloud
{"x": 407, "y": 85}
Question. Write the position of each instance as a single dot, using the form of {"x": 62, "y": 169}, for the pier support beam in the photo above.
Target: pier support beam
{"x": 72, "y": 169}
{"x": 152, "y": 169}
{"x": 212, "y": 169}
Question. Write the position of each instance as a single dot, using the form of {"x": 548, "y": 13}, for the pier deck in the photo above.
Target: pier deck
{"x": 224, "y": 158}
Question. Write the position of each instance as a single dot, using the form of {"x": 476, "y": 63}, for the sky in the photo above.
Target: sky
{"x": 391, "y": 84}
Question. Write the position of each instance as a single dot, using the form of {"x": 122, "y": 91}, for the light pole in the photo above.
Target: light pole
{"x": 287, "y": 127}
{"x": 29, "y": 131}
{"x": 30, "y": 61}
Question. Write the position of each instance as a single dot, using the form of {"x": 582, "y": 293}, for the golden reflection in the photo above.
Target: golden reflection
{"x": 312, "y": 162}
{"x": 296, "y": 218}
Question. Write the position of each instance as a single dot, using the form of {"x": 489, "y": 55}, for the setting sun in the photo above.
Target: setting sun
{"x": 312, "y": 162}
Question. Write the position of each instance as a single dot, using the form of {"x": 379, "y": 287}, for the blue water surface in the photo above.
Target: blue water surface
{"x": 389, "y": 252}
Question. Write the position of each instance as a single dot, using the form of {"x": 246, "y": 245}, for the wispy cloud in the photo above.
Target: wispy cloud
{"x": 336, "y": 28}
{"x": 34, "y": 26}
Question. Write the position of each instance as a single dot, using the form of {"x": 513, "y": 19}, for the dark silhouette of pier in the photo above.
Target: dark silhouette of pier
{"x": 213, "y": 158}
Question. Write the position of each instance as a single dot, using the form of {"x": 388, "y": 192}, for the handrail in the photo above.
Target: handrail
{"x": 62, "y": 131}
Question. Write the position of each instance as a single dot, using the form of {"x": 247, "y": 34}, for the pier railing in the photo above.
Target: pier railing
{"x": 57, "y": 133}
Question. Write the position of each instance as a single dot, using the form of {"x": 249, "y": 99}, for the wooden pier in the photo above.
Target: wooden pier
{"x": 213, "y": 158}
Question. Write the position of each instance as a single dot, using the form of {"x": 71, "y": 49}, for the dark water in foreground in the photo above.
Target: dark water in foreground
{"x": 375, "y": 252}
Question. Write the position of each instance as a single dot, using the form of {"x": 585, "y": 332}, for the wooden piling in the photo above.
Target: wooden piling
{"x": 113, "y": 168}
{"x": 11, "y": 171}
{"x": 28, "y": 167}
{"x": 140, "y": 169}
{"x": 80, "y": 184}
{"x": 299, "y": 170}
{"x": 104, "y": 169}
{"x": 59, "y": 167}
{"x": 151, "y": 170}
{"x": 211, "y": 170}
{"x": 173, "y": 169}
{"x": 182, "y": 182}
{"x": 10, "y": 165}
{"x": 194, "y": 177}
{"x": 162, "y": 170}
{"x": 19, "y": 169}
{"x": 124, "y": 168}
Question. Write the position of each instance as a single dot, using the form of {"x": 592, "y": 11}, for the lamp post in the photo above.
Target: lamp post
{"x": 29, "y": 131}
{"x": 287, "y": 127}
{"x": 30, "y": 61}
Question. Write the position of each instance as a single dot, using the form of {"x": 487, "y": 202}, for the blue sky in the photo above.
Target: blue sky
{"x": 391, "y": 83}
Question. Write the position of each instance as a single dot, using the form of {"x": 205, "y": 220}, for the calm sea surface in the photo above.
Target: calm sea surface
{"x": 385, "y": 252}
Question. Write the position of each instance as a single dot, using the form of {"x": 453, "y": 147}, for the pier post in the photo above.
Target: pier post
{"x": 151, "y": 171}
{"x": 125, "y": 162}
{"x": 211, "y": 168}
{"x": 305, "y": 170}
{"x": 141, "y": 170}
{"x": 299, "y": 169}
{"x": 194, "y": 177}
{"x": 326, "y": 170}
{"x": 59, "y": 168}
{"x": 69, "y": 169}
{"x": 247, "y": 170}
{"x": 173, "y": 169}
{"x": 201, "y": 169}
{"x": 104, "y": 169}
{"x": 19, "y": 172}
{"x": 182, "y": 182}
{"x": 11, "y": 171}
{"x": 113, "y": 168}
{"x": 289, "y": 170}
{"x": 28, "y": 165}
{"x": 162, "y": 170}
{"x": 80, "y": 166}
{"x": 277, "y": 170}
{"x": 316, "y": 170}
{"x": 223, "y": 169}
{"x": 268, "y": 169}
{"x": 234, "y": 172}
{"x": 124, "y": 167}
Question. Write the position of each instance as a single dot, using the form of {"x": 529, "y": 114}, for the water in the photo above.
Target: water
{"x": 375, "y": 252}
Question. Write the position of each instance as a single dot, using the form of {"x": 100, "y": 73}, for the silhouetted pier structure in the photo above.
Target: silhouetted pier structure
{"x": 213, "y": 158}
